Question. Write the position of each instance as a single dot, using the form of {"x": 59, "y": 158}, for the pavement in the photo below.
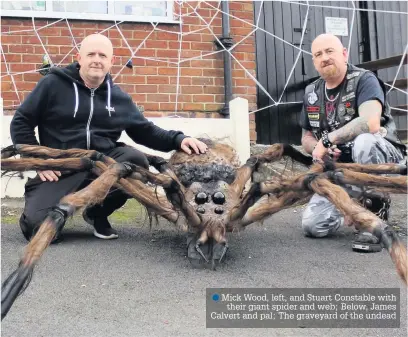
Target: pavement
{"x": 143, "y": 284}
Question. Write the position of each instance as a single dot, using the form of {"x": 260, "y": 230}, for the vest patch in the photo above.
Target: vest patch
{"x": 348, "y": 97}
{"x": 313, "y": 116}
{"x": 353, "y": 74}
{"x": 312, "y": 108}
{"x": 341, "y": 109}
{"x": 350, "y": 85}
{"x": 312, "y": 98}
{"x": 350, "y": 111}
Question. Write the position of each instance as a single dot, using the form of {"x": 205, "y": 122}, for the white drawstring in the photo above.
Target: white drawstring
{"x": 109, "y": 97}
{"x": 76, "y": 98}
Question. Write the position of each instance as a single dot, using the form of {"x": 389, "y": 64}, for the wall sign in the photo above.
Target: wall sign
{"x": 336, "y": 26}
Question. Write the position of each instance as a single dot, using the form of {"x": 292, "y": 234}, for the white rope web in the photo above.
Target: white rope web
{"x": 182, "y": 10}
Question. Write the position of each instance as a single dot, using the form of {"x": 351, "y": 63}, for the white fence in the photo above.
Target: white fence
{"x": 234, "y": 131}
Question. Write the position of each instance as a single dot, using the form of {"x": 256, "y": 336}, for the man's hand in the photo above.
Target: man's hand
{"x": 319, "y": 152}
{"x": 49, "y": 175}
{"x": 308, "y": 141}
{"x": 334, "y": 152}
{"x": 191, "y": 143}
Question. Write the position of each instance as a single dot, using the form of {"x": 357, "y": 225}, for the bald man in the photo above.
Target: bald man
{"x": 79, "y": 106}
{"x": 345, "y": 115}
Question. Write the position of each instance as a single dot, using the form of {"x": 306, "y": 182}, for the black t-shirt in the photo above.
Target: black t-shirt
{"x": 368, "y": 89}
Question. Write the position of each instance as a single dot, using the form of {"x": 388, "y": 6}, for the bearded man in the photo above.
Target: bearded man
{"x": 345, "y": 116}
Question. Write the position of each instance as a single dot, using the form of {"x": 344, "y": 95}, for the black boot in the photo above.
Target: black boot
{"x": 379, "y": 204}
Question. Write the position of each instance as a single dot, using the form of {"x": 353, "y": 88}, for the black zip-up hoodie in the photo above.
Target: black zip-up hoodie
{"x": 70, "y": 115}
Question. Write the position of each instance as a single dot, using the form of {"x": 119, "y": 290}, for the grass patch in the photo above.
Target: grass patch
{"x": 132, "y": 213}
{"x": 10, "y": 219}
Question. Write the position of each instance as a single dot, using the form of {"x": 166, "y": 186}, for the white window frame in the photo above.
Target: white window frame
{"x": 49, "y": 13}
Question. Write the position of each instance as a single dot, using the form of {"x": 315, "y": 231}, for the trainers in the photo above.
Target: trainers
{"x": 366, "y": 242}
{"x": 102, "y": 227}
{"x": 107, "y": 233}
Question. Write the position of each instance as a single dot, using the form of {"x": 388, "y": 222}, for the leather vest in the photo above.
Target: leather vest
{"x": 346, "y": 109}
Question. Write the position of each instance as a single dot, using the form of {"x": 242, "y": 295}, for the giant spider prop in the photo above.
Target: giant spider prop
{"x": 204, "y": 196}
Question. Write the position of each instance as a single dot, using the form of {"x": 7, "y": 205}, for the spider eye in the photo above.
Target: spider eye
{"x": 218, "y": 210}
{"x": 201, "y": 198}
{"x": 218, "y": 198}
{"x": 201, "y": 210}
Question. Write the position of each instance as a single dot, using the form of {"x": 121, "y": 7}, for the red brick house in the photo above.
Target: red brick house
{"x": 160, "y": 52}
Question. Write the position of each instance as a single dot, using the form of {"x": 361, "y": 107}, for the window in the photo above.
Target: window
{"x": 108, "y": 10}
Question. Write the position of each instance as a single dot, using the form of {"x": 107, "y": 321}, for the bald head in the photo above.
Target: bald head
{"x": 95, "y": 58}
{"x": 329, "y": 58}
{"x": 96, "y": 40}
{"x": 327, "y": 40}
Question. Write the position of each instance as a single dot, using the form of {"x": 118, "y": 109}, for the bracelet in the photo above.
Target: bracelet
{"x": 325, "y": 140}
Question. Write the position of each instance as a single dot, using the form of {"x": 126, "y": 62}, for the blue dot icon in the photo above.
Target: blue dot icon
{"x": 216, "y": 297}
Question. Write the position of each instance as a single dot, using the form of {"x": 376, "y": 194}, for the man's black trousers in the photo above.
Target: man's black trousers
{"x": 41, "y": 196}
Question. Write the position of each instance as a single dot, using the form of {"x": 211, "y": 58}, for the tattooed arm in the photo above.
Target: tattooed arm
{"x": 367, "y": 122}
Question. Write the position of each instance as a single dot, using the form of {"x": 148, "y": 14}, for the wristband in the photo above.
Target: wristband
{"x": 325, "y": 140}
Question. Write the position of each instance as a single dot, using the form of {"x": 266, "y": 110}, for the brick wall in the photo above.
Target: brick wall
{"x": 151, "y": 83}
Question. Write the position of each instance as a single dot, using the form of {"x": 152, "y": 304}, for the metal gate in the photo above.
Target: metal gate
{"x": 276, "y": 55}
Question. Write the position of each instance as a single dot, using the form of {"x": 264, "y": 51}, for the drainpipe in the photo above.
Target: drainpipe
{"x": 228, "y": 42}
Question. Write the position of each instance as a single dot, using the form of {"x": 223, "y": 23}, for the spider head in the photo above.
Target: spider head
{"x": 207, "y": 179}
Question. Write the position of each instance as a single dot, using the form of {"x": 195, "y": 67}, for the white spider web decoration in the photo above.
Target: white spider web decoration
{"x": 183, "y": 10}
